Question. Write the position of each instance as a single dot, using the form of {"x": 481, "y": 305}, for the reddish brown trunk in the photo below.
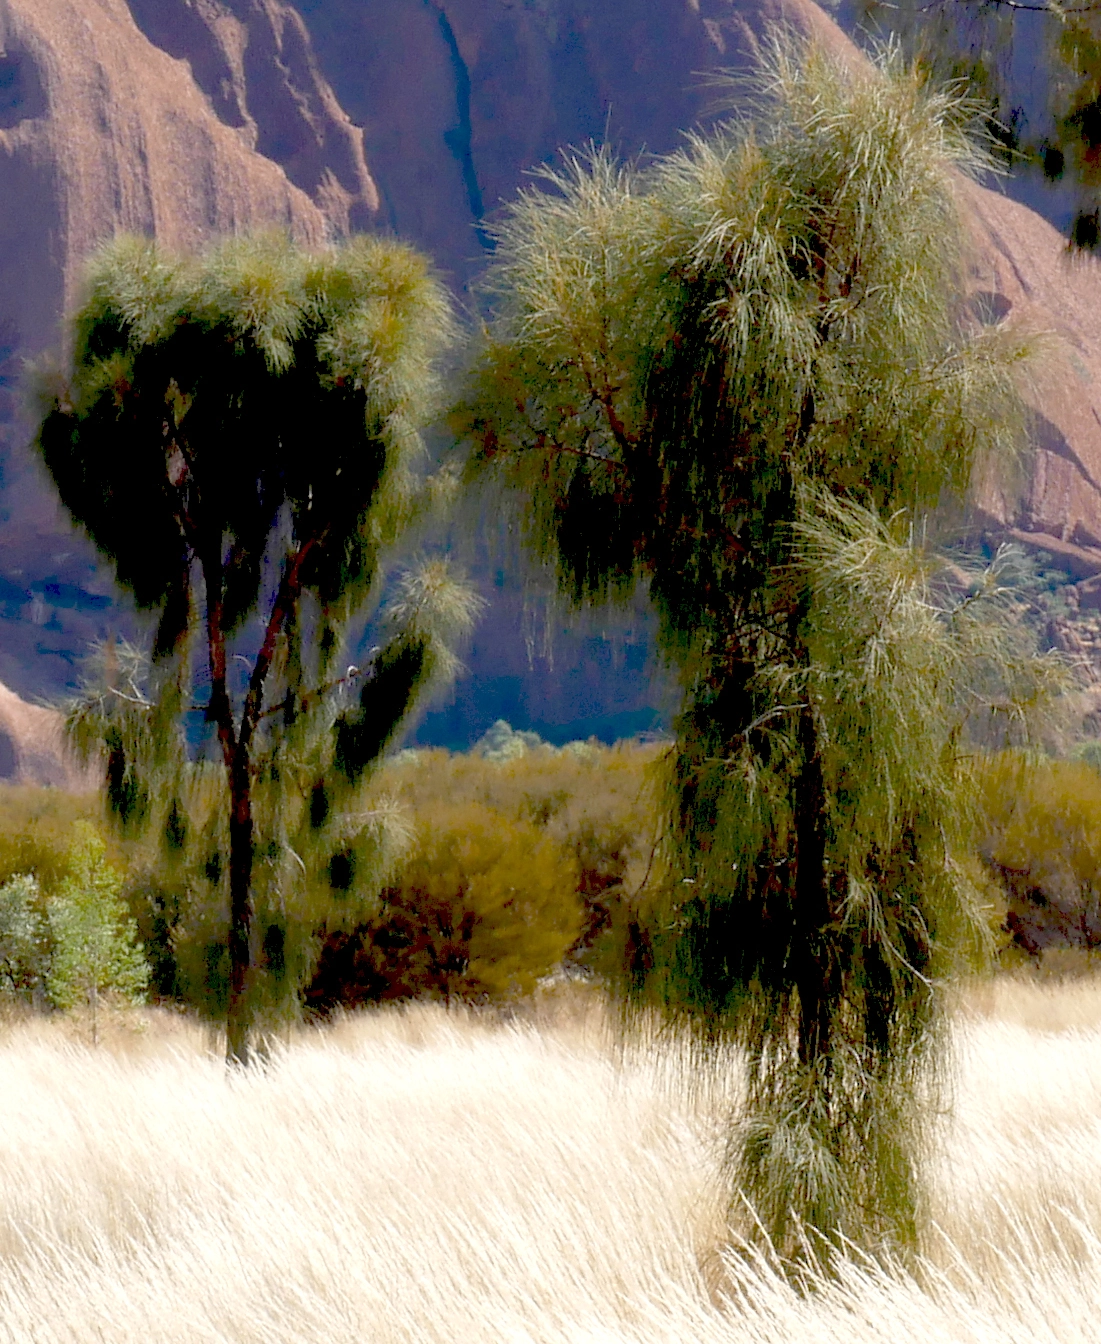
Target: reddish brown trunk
{"x": 236, "y": 754}
{"x": 240, "y": 908}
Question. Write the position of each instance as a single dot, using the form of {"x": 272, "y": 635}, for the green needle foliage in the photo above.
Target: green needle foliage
{"x": 742, "y": 378}
{"x": 239, "y": 433}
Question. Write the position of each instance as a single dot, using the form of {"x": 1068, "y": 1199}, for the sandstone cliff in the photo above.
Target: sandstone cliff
{"x": 222, "y": 122}
{"x": 189, "y": 117}
{"x": 458, "y": 98}
{"x": 32, "y": 747}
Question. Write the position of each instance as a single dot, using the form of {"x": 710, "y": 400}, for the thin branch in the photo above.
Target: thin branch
{"x": 316, "y": 694}
{"x": 544, "y": 443}
{"x": 770, "y": 714}
{"x": 290, "y": 587}
{"x": 218, "y": 705}
{"x": 1057, "y": 11}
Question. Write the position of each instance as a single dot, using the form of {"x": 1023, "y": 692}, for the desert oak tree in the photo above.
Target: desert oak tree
{"x": 239, "y": 433}
{"x": 742, "y": 377}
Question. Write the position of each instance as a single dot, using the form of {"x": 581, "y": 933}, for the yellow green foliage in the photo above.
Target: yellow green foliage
{"x": 95, "y": 946}
{"x": 518, "y": 864}
{"x": 483, "y": 909}
{"x": 599, "y": 803}
{"x": 36, "y": 830}
{"x": 1045, "y": 817}
{"x": 1043, "y": 840}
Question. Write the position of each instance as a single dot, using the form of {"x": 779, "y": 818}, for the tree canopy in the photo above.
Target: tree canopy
{"x": 742, "y": 377}
{"x": 239, "y": 432}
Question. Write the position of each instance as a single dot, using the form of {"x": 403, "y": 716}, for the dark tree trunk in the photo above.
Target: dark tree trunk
{"x": 236, "y": 748}
{"x": 235, "y": 758}
{"x": 240, "y": 909}
{"x": 813, "y": 962}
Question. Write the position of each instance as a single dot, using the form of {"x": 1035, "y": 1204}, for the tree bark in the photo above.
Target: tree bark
{"x": 235, "y": 757}
{"x": 813, "y": 971}
{"x": 240, "y": 908}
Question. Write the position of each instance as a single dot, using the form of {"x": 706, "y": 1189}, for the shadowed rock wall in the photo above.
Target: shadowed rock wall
{"x": 459, "y": 97}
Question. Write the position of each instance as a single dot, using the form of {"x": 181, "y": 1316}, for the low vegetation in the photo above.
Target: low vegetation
{"x": 437, "y": 1175}
{"x": 521, "y": 861}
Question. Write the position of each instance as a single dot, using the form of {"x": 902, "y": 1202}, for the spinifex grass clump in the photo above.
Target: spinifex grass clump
{"x": 743, "y": 377}
{"x": 239, "y": 432}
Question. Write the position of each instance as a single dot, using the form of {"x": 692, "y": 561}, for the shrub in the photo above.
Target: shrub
{"x": 483, "y": 908}
{"x": 36, "y": 830}
{"x": 1043, "y": 845}
{"x": 594, "y": 801}
{"x": 23, "y": 956}
{"x": 94, "y": 940}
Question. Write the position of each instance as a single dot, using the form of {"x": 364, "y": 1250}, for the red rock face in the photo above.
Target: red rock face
{"x": 1021, "y": 271}
{"x": 254, "y": 61}
{"x": 101, "y": 131}
{"x": 459, "y": 98}
{"x": 33, "y": 748}
{"x": 187, "y": 118}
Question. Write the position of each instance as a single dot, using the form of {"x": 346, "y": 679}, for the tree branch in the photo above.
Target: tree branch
{"x": 218, "y": 706}
{"x": 290, "y": 588}
{"x": 1056, "y": 10}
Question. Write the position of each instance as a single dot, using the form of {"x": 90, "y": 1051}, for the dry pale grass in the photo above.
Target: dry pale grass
{"x": 421, "y": 1175}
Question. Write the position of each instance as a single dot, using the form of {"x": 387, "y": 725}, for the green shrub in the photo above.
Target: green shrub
{"x": 94, "y": 938}
{"x": 596, "y": 802}
{"x": 1043, "y": 847}
{"x": 36, "y": 830}
{"x": 23, "y": 955}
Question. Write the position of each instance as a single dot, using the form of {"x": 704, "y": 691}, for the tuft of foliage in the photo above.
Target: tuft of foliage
{"x": 239, "y": 432}
{"x": 481, "y": 910}
{"x": 742, "y": 378}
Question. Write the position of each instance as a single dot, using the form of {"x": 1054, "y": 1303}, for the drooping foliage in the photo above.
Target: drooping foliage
{"x": 239, "y": 432}
{"x": 742, "y": 376}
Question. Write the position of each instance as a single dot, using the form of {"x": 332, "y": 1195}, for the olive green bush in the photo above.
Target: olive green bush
{"x": 1042, "y": 848}
{"x": 482, "y": 909}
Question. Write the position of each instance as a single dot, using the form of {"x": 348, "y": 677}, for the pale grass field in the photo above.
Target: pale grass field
{"x": 425, "y": 1176}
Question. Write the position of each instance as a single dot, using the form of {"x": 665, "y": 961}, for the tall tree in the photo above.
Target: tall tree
{"x": 742, "y": 377}
{"x": 238, "y": 432}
